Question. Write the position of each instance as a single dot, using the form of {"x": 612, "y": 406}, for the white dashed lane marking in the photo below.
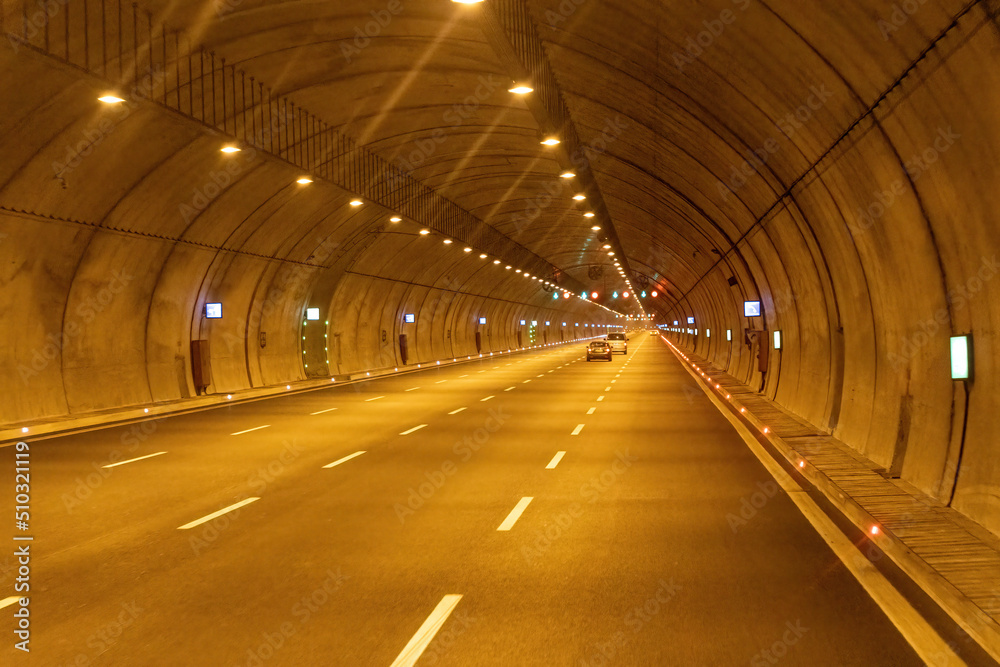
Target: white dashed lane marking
{"x": 344, "y": 460}
{"x": 249, "y": 430}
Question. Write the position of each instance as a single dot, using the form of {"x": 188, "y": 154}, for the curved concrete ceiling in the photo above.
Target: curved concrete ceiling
{"x": 830, "y": 159}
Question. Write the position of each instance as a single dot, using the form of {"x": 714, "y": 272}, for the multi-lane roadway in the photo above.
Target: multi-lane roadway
{"x": 527, "y": 509}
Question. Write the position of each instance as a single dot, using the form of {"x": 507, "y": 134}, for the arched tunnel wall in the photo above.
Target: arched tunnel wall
{"x": 118, "y": 225}
{"x": 99, "y": 320}
{"x": 884, "y": 250}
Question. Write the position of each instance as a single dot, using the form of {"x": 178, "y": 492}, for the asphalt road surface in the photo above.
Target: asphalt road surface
{"x": 532, "y": 509}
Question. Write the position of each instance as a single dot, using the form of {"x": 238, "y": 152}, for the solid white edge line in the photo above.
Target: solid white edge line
{"x": 515, "y": 513}
{"x": 421, "y": 640}
{"x": 320, "y": 412}
{"x": 344, "y": 460}
{"x": 576, "y": 431}
{"x": 213, "y": 515}
{"x": 139, "y": 458}
{"x": 555, "y": 460}
{"x": 257, "y": 428}
{"x": 455, "y": 412}
{"x": 415, "y": 428}
{"x": 6, "y": 602}
{"x": 918, "y": 633}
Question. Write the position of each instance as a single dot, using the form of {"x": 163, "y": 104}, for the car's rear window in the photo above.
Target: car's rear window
{"x": 616, "y": 336}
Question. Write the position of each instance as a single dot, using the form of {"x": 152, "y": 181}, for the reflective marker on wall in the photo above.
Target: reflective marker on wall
{"x": 213, "y": 311}
{"x": 729, "y": 334}
{"x": 312, "y": 313}
{"x": 961, "y": 357}
{"x": 708, "y": 333}
{"x": 777, "y": 340}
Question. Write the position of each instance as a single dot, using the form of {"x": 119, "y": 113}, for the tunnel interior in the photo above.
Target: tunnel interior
{"x": 835, "y": 162}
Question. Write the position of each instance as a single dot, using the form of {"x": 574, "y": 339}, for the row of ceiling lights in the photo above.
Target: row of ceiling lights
{"x": 520, "y": 89}
{"x": 305, "y": 180}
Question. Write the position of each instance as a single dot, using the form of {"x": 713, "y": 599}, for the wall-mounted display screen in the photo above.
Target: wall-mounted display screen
{"x": 409, "y": 318}
{"x": 690, "y": 320}
{"x": 213, "y": 311}
{"x": 961, "y": 358}
{"x": 482, "y": 320}
{"x": 312, "y": 313}
{"x": 751, "y": 309}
